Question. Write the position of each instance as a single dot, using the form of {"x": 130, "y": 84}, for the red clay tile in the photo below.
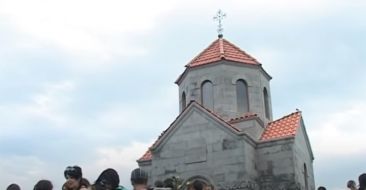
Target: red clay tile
{"x": 222, "y": 49}
{"x": 283, "y": 127}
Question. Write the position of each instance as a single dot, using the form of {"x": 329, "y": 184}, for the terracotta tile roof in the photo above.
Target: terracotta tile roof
{"x": 245, "y": 116}
{"x": 146, "y": 157}
{"x": 222, "y": 49}
{"x": 283, "y": 127}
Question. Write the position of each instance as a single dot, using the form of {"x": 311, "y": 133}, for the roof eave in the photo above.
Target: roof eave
{"x": 277, "y": 139}
{"x": 269, "y": 77}
{"x": 144, "y": 162}
{"x": 302, "y": 125}
{"x": 181, "y": 76}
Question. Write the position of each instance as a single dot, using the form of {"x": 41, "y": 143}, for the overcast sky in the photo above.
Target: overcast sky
{"x": 92, "y": 82}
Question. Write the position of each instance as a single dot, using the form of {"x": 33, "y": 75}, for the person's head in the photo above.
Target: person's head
{"x": 43, "y": 185}
{"x": 139, "y": 177}
{"x": 169, "y": 183}
{"x": 321, "y": 188}
{"x": 197, "y": 185}
{"x": 13, "y": 187}
{"x": 362, "y": 181}
{"x": 158, "y": 183}
{"x": 107, "y": 180}
{"x": 351, "y": 184}
{"x": 73, "y": 175}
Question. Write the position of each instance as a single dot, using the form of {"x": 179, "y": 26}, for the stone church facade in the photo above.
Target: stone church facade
{"x": 225, "y": 134}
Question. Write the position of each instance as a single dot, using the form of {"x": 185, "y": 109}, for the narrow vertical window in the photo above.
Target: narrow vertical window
{"x": 184, "y": 103}
{"x": 306, "y": 177}
{"x": 266, "y": 103}
{"x": 207, "y": 95}
{"x": 242, "y": 99}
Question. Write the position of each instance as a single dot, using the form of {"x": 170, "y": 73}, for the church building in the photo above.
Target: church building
{"x": 225, "y": 134}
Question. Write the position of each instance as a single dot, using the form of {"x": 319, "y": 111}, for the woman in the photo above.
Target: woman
{"x": 73, "y": 175}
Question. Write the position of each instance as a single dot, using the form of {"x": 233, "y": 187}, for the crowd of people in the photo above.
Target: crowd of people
{"x": 351, "y": 184}
{"x": 109, "y": 180}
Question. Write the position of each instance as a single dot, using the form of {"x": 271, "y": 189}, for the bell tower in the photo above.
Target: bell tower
{"x": 227, "y": 81}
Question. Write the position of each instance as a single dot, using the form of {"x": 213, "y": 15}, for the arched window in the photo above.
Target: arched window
{"x": 306, "y": 177}
{"x": 266, "y": 103}
{"x": 242, "y": 100}
{"x": 184, "y": 103}
{"x": 207, "y": 94}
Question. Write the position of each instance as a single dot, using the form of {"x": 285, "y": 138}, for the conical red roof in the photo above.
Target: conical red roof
{"x": 222, "y": 49}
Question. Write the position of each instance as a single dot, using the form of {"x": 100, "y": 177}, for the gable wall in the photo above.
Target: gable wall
{"x": 199, "y": 146}
{"x": 301, "y": 157}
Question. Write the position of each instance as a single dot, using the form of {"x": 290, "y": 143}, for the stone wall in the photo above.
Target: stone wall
{"x": 203, "y": 147}
{"x": 275, "y": 165}
{"x": 302, "y": 159}
{"x": 224, "y": 75}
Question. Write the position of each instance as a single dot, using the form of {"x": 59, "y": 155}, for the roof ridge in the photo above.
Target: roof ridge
{"x": 286, "y": 116}
{"x": 202, "y": 52}
{"x": 247, "y": 115}
{"x": 242, "y": 51}
{"x": 221, "y": 46}
{"x": 286, "y": 126}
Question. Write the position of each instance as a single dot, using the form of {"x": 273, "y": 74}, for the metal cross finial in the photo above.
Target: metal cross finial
{"x": 219, "y": 16}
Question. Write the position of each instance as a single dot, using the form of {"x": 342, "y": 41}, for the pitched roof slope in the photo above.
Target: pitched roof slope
{"x": 222, "y": 49}
{"x": 281, "y": 128}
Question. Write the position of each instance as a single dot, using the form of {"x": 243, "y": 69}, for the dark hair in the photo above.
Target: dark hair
{"x": 108, "y": 177}
{"x": 13, "y": 187}
{"x": 139, "y": 176}
{"x": 197, "y": 185}
{"x": 351, "y": 183}
{"x": 169, "y": 183}
{"x": 158, "y": 183}
{"x": 74, "y": 172}
{"x": 43, "y": 185}
{"x": 362, "y": 181}
{"x": 321, "y": 188}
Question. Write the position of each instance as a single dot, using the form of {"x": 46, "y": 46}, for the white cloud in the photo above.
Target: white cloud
{"x": 49, "y": 106}
{"x": 51, "y": 103}
{"x": 84, "y": 27}
{"x": 340, "y": 133}
{"x": 121, "y": 157}
{"x": 253, "y": 11}
{"x": 137, "y": 113}
{"x": 22, "y": 170}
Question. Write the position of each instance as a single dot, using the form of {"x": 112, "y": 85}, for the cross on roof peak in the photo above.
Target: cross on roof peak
{"x": 219, "y": 17}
